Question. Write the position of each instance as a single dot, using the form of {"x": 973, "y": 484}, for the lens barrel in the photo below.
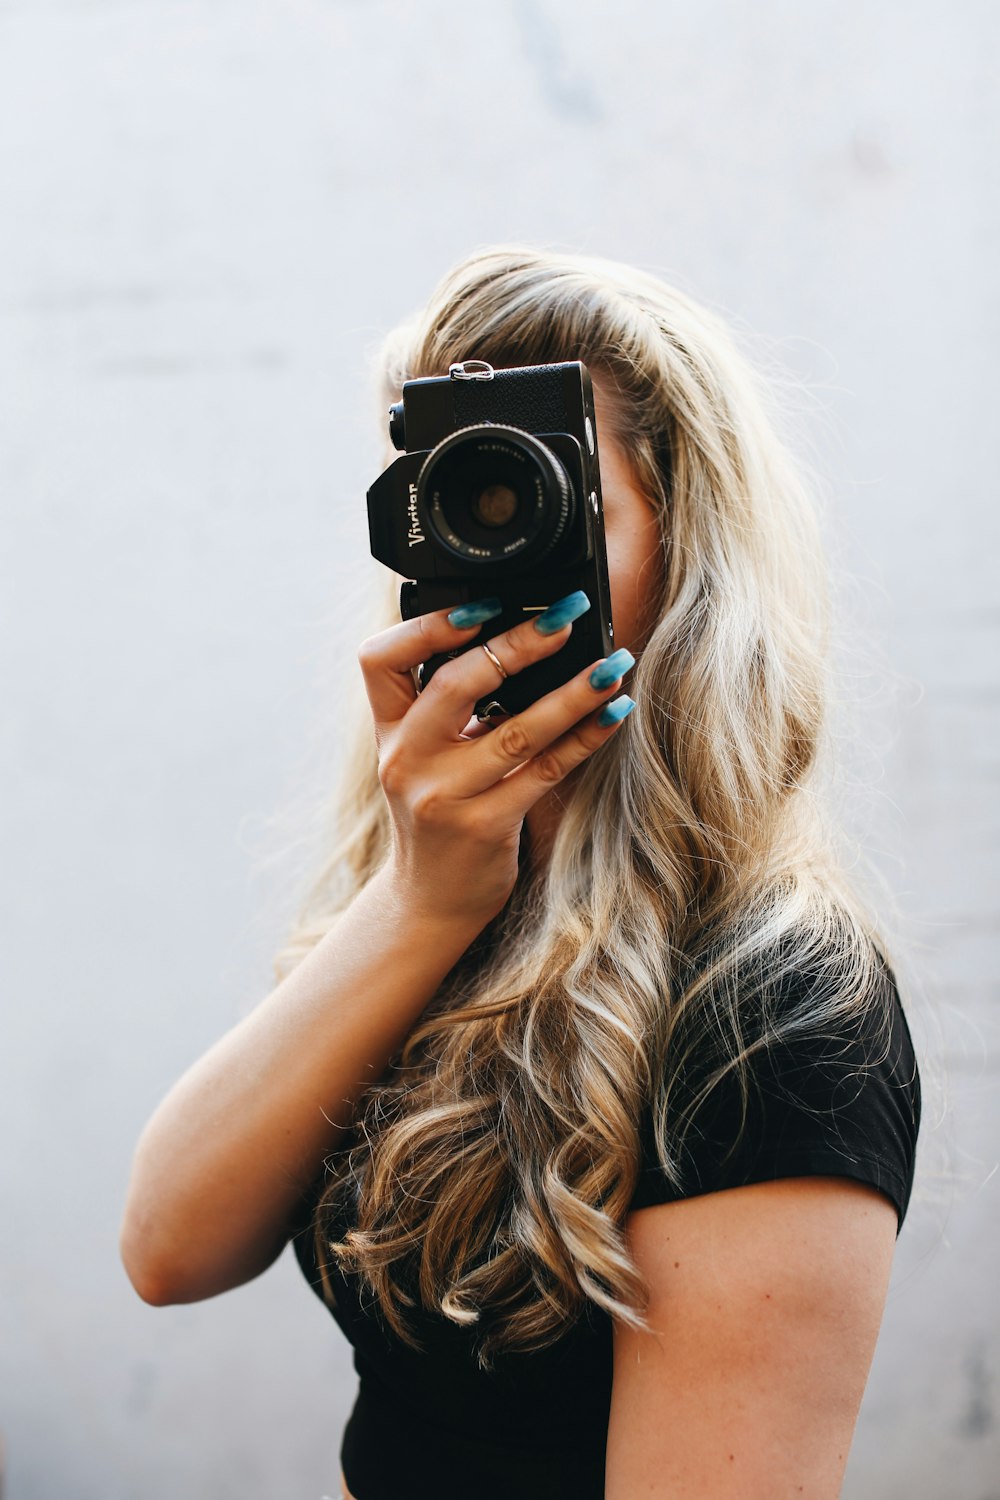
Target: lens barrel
{"x": 495, "y": 497}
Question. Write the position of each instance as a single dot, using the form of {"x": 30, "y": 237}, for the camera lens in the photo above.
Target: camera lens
{"x": 494, "y": 496}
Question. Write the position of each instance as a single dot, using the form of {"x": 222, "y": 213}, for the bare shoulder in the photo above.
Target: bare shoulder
{"x": 765, "y": 1305}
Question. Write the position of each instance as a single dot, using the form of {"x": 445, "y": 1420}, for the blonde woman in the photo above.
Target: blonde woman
{"x": 585, "y": 1092}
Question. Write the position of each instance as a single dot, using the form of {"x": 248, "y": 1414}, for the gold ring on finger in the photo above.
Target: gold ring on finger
{"x": 495, "y": 660}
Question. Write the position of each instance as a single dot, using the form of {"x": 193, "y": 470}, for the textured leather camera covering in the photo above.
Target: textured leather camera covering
{"x": 530, "y": 400}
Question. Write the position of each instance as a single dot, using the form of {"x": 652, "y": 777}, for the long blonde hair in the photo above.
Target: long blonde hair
{"x": 693, "y": 866}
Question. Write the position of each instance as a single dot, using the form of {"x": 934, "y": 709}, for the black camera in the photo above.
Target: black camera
{"x": 498, "y": 493}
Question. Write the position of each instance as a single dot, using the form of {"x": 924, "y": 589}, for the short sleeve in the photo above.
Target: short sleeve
{"x": 832, "y": 1102}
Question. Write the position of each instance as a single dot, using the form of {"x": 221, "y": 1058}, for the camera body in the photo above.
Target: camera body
{"x": 498, "y": 494}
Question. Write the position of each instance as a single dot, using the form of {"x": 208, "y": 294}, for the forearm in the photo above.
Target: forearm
{"x": 226, "y": 1156}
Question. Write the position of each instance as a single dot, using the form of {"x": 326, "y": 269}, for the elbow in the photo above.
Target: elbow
{"x": 150, "y": 1260}
{"x": 164, "y": 1276}
{"x": 152, "y": 1275}
{"x": 155, "y": 1292}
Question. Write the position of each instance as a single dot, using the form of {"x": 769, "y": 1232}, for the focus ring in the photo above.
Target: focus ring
{"x": 543, "y": 473}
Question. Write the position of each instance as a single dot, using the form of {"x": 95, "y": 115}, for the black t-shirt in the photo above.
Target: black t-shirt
{"x": 430, "y": 1425}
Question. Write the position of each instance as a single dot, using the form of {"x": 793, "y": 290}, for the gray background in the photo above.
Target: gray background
{"x": 208, "y": 214}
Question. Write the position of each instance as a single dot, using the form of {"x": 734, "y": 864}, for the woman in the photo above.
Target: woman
{"x": 605, "y": 1060}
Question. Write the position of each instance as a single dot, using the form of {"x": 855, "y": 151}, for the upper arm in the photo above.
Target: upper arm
{"x": 765, "y": 1305}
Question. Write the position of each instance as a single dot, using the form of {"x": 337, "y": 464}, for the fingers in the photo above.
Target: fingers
{"x": 547, "y": 739}
{"x": 521, "y": 789}
{"x": 388, "y": 659}
{"x": 446, "y": 703}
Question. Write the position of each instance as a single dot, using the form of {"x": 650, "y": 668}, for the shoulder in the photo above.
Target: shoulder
{"x": 828, "y": 1083}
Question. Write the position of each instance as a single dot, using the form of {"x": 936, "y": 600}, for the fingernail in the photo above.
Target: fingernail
{"x": 611, "y": 668}
{"x": 615, "y": 711}
{"x": 465, "y": 615}
{"x": 559, "y": 614}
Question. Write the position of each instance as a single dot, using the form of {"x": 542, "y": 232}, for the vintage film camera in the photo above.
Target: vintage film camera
{"x": 498, "y": 493}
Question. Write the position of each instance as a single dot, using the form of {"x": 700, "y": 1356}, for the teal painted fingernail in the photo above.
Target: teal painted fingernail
{"x": 464, "y": 615}
{"x": 611, "y": 668}
{"x": 559, "y": 614}
{"x": 615, "y": 711}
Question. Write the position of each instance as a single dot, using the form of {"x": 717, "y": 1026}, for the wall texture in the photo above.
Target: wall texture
{"x": 208, "y": 213}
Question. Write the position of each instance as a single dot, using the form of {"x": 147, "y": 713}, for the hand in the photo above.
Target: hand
{"x": 457, "y": 803}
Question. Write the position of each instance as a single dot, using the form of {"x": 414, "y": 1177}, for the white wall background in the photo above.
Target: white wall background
{"x": 208, "y": 213}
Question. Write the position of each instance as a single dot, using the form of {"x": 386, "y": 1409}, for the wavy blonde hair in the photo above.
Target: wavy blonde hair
{"x": 496, "y": 1158}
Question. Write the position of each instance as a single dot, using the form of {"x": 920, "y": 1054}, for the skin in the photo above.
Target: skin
{"x": 763, "y": 1301}
{"x": 223, "y": 1161}
{"x": 632, "y": 536}
{"x": 766, "y": 1300}
{"x": 635, "y": 570}
{"x": 765, "y": 1307}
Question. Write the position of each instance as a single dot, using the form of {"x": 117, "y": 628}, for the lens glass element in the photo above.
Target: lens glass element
{"x": 493, "y": 494}
{"x": 495, "y": 505}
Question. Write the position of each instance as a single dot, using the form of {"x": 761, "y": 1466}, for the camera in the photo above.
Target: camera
{"x": 498, "y": 493}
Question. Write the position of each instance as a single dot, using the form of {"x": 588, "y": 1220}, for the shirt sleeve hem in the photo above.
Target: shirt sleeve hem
{"x": 806, "y": 1161}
